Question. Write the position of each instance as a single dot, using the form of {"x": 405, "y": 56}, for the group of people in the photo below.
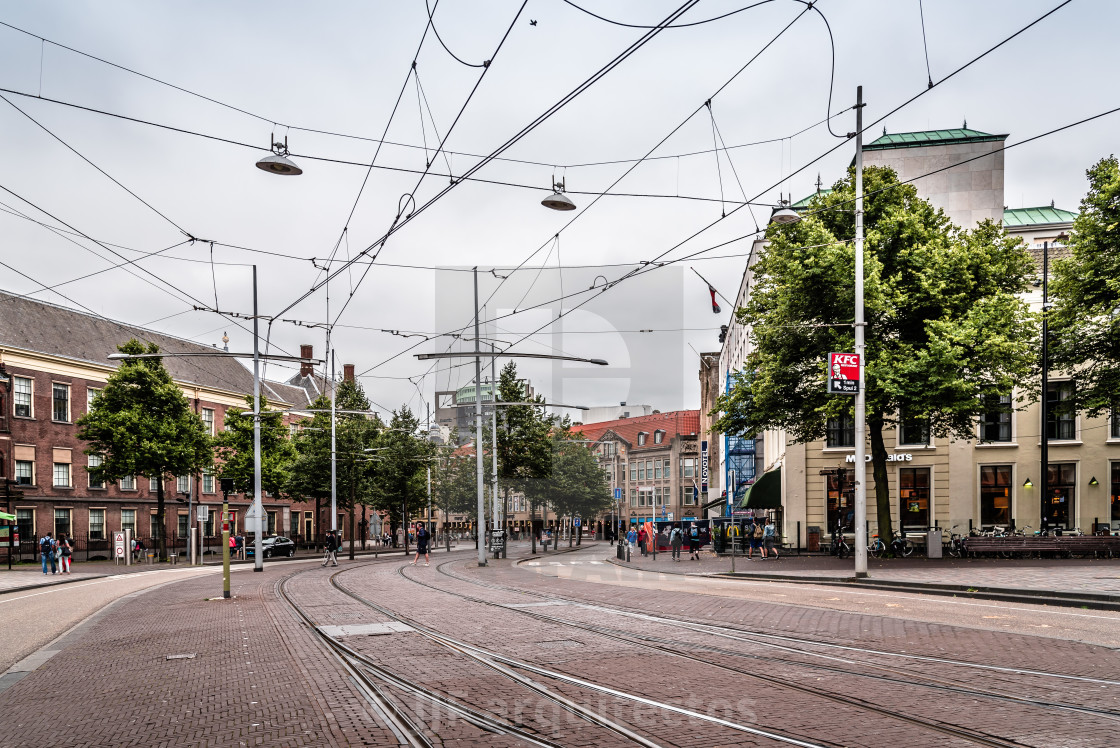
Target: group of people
{"x": 758, "y": 536}
{"x": 761, "y": 538}
{"x": 55, "y": 553}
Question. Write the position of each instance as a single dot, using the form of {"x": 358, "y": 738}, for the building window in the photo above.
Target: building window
{"x": 128, "y": 483}
{"x": 128, "y": 520}
{"x": 184, "y": 525}
{"x": 293, "y": 524}
{"x": 633, "y": 497}
{"x": 841, "y": 432}
{"x": 153, "y": 484}
{"x": 642, "y": 438}
{"x": 1114, "y": 423}
{"x": 25, "y": 520}
{"x": 91, "y": 395}
{"x": 649, "y": 469}
{"x": 1057, "y": 507}
{"x": 913, "y": 492}
{"x": 208, "y": 525}
{"x": 208, "y": 481}
{"x": 658, "y": 436}
{"x": 995, "y": 423}
{"x": 94, "y": 461}
{"x": 688, "y": 496}
{"x": 657, "y": 469}
{"x": 62, "y": 522}
{"x": 183, "y": 484}
{"x": 1061, "y": 419}
{"x": 911, "y": 430}
{"x": 60, "y": 402}
{"x": 633, "y": 471}
{"x": 995, "y": 495}
{"x": 688, "y": 467}
{"x": 25, "y": 472}
{"x": 62, "y": 475}
{"x": 606, "y": 449}
{"x": 641, "y": 470}
{"x": 208, "y": 420}
{"x": 21, "y": 396}
{"x": 841, "y": 499}
{"x": 1115, "y": 492}
{"x": 667, "y": 470}
{"x": 270, "y": 523}
{"x": 157, "y": 530}
{"x": 657, "y": 499}
{"x": 96, "y": 524}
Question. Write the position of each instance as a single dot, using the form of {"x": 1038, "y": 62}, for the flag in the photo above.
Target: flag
{"x": 715, "y": 306}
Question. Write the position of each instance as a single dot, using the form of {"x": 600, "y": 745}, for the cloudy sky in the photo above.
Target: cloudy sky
{"x": 128, "y": 156}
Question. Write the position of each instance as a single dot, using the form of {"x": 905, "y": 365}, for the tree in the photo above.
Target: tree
{"x": 946, "y": 328}
{"x": 454, "y": 487}
{"x": 141, "y": 424}
{"x": 1084, "y": 325}
{"x": 234, "y": 448}
{"x": 402, "y": 468}
{"x": 579, "y": 486}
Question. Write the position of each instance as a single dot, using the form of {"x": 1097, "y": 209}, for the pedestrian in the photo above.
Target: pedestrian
{"x": 233, "y": 546}
{"x": 770, "y": 538}
{"x": 46, "y": 547}
{"x": 642, "y": 535}
{"x": 632, "y": 538}
{"x": 65, "y": 551}
{"x": 756, "y": 539}
{"x": 422, "y": 537}
{"x": 137, "y": 550}
{"x": 331, "y": 554}
{"x": 694, "y": 542}
{"x": 748, "y": 537}
{"x": 676, "y": 539}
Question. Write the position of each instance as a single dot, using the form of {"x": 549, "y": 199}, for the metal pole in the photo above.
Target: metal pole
{"x": 190, "y": 522}
{"x": 428, "y": 436}
{"x": 478, "y": 433}
{"x": 258, "y": 506}
{"x": 861, "y": 399}
{"x": 334, "y": 455}
{"x": 225, "y": 544}
{"x": 499, "y": 518}
{"x": 1044, "y": 479}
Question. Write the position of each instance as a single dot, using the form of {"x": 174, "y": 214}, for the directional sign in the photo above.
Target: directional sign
{"x": 843, "y": 374}
{"x": 577, "y": 522}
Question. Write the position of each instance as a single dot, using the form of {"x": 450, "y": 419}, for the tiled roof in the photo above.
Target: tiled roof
{"x": 1047, "y": 214}
{"x": 929, "y": 137}
{"x": 674, "y": 423}
{"x": 40, "y": 327}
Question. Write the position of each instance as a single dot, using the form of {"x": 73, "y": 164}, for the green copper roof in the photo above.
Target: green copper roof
{"x": 804, "y": 202}
{"x": 1036, "y": 216}
{"x": 929, "y": 137}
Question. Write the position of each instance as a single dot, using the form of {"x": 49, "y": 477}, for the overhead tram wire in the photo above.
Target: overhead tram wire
{"x": 603, "y": 71}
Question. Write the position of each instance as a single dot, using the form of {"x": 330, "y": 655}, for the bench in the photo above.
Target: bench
{"x": 1068, "y": 544}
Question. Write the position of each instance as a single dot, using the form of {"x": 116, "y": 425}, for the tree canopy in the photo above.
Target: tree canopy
{"x": 946, "y": 329}
{"x": 1084, "y": 323}
{"x": 142, "y": 424}
{"x": 234, "y": 448}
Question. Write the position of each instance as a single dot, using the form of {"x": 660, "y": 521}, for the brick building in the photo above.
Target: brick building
{"x": 53, "y": 362}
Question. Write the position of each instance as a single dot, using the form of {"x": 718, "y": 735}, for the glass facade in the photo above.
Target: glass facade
{"x": 995, "y": 495}
{"x": 1057, "y": 505}
{"x": 841, "y": 499}
{"x": 913, "y": 494}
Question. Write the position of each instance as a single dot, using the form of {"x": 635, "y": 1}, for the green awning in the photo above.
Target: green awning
{"x": 9, "y": 517}
{"x": 765, "y": 493}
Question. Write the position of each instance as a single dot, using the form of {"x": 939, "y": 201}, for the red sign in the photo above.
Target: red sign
{"x": 843, "y": 373}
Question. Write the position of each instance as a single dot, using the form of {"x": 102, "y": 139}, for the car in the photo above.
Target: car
{"x": 273, "y": 546}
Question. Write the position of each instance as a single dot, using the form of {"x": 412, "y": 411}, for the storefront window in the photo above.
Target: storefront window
{"x": 1061, "y": 420}
{"x": 995, "y": 423}
{"x": 913, "y": 487}
{"x": 1057, "y": 506}
{"x": 841, "y": 499}
{"x": 841, "y": 432}
{"x": 1116, "y": 492}
{"x": 995, "y": 495}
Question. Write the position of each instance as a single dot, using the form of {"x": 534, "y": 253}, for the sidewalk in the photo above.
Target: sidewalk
{"x": 1077, "y": 582}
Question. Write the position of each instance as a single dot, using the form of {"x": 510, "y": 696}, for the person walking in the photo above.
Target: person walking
{"x": 756, "y": 539}
{"x": 769, "y": 538}
{"x": 65, "y": 551}
{"x": 631, "y": 538}
{"x": 676, "y": 540}
{"x": 422, "y": 537}
{"x": 46, "y": 547}
{"x": 642, "y": 535}
{"x": 331, "y": 554}
{"x": 694, "y": 542}
{"x": 748, "y": 537}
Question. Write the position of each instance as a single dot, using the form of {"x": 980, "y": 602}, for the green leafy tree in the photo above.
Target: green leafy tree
{"x": 141, "y": 424}
{"x": 579, "y": 486}
{"x": 234, "y": 449}
{"x": 947, "y": 330}
{"x": 1084, "y": 324}
{"x": 402, "y": 468}
{"x": 454, "y": 487}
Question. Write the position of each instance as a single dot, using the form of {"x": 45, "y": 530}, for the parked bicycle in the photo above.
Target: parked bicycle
{"x": 901, "y": 545}
{"x": 839, "y": 547}
{"x": 955, "y": 545}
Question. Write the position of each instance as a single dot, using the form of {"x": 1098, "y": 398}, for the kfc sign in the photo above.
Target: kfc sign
{"x": 843, "y": 373}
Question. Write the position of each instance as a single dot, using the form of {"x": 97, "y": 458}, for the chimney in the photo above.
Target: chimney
{"x": 348, "y": 372}
{"x": 305, "y": 367}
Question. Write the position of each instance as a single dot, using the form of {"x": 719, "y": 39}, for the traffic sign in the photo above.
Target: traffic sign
{"x": 617, "y": 493}
{"x": 577, "y": 522}
{"x": 203, "y": 513}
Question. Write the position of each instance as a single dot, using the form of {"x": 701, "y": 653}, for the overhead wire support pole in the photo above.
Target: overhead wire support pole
{"x": 498, "y": 516}
{"x": 334, "y": 452}
{"x": 258, "y": 506}
{"x": 480, "y": 523}
{"x": 861, "y": 351}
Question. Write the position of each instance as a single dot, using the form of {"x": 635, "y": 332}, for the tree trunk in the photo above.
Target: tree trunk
{"x": 351, "y": 556}
{"x": 879, "y": 474}
{"x": 161, "y": 512}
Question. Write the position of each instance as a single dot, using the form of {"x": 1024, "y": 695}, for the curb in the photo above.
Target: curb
{"x": 52, "y": 583}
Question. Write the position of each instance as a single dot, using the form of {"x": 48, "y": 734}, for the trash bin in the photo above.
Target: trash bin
{"x": 813, "y": 539}
{"x": 933, "y": 544}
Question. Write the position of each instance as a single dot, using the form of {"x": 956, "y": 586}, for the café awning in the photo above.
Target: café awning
{"x": 765, "y": 493}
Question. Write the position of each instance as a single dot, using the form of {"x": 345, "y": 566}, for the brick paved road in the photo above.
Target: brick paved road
{"x": 259, "y": 676}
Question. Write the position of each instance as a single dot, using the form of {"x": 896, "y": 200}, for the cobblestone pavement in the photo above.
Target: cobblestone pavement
{"x": 171, "y": 667}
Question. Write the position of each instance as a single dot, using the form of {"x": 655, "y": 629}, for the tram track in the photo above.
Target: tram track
{"x": 673, "y": 647}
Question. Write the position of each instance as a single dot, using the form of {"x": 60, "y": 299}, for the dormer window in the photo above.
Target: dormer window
{"x": 642, "y": 438}
{"x": 658, "y": 436}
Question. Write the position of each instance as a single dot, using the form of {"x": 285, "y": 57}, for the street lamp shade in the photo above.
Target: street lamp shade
{"x": 785, "y": 214}
{"x": 278, "y": 162}
{"x": 558, "y": 200}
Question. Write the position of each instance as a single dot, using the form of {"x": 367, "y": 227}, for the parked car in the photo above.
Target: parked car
{"x": 274, "y": 546}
